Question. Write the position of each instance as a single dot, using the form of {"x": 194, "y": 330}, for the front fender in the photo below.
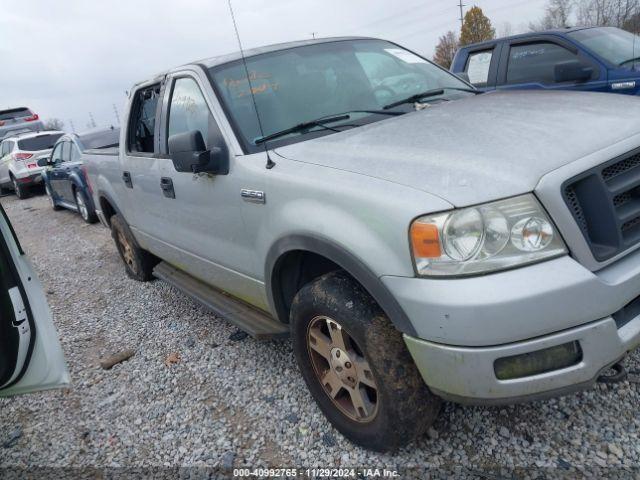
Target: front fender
{"x": 347, "y": 261}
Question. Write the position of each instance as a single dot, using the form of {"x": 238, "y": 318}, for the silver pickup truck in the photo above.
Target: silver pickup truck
{"x": 417, "y": 241}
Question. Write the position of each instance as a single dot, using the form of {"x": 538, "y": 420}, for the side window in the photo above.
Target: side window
{"x": 3, "y": 149}
{"x": 189, "y": 111}
{"x": 142, "y": 122}
{"x": 535, "y": 62}
{"x": 478, "y": 67}
{"x": 66, "y": 151}
{"x": 75, "y": 152}
{"x": 56, "y": 156}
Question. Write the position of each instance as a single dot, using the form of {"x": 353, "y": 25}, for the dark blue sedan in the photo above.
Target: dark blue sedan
{"x": 66, "y": 180}
{"x": 599, "y": 59}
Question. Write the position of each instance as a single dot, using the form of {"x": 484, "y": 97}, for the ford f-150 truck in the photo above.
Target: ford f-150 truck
{"x": 417, "y": 241}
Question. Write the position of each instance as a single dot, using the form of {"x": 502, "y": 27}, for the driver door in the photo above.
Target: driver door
{"x": 30, "y": 355}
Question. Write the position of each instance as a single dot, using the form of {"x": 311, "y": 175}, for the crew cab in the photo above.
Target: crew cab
{"x": 65, "y": 181}
{"x": 416, "y": 240}
{"x": 598, "y": 59}
{"x": 23, "y": 157}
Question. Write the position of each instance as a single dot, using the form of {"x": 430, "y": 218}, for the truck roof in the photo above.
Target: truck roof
{"x": 232, "y": 57}
{"x": 553, "y": 31}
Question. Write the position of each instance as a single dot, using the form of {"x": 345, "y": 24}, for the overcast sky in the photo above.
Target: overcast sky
{"x": 67, "y": 58}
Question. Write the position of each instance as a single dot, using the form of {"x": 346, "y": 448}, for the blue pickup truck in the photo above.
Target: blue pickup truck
{"x": 600, "y": 59}
{"x": 65, "y": 180}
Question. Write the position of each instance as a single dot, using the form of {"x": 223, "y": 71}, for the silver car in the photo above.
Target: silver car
{"x": 17, "y": 120}
{"x": 23, "y": 158}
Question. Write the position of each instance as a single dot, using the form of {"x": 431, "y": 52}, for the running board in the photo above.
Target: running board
{"x": 257, "y": 324}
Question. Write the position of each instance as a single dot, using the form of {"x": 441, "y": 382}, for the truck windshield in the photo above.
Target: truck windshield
{"x": 614, "y": 45}
{"x": 296, "y": 85}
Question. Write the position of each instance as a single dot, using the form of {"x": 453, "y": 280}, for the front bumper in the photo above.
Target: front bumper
{"x": 462, "y": 326}
{"x": 466, "y": 375}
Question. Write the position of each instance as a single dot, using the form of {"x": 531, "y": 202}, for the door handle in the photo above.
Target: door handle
{"x": 126, "y": 178}
{"x": 166, "y": 184}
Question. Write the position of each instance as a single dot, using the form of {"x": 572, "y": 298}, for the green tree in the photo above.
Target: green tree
{"x": 446, "y": 49}
{"x": 476, "y": 27}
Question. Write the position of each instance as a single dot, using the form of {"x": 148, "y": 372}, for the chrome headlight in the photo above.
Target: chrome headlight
{"x": 485, "y": 238}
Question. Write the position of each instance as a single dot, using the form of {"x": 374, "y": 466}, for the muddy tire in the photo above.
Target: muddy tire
{"x": 357, "y": 366}
{"x": 138, "y": 262}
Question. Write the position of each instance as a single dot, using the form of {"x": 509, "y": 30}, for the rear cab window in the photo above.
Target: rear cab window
{"x": 41, "y": 142}
{"x": 142, "y": 122}
{"x": 478, "y": 66}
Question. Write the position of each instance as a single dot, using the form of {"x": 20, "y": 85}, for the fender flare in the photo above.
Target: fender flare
{"x": 114, "y": 205}
{"x": 347, "y": 261}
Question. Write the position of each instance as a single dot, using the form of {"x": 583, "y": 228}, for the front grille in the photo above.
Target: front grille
{"x": 605, "y": 203}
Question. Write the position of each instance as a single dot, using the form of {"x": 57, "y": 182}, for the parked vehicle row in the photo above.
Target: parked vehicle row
{"x": 599, "y": 59}
{"x": 416, "y": 240}
{"x": 66, "y": 181}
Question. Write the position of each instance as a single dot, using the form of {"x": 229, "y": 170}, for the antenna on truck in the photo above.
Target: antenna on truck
{"x": 270, "y": 163}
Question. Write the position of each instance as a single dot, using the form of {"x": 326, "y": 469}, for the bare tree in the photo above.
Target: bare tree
{"x": 611, "y": 13}
{"x": 446, "y": 49}
{"x": 557, "y": 15}
{"x": 505, "y": 30}
{"x": 54, "y": 124}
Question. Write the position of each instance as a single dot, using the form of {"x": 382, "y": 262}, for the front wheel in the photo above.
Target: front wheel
{"x": 87, "y": 214}
{"x": 138, "y": 262}
{"x": 357, "y": 366}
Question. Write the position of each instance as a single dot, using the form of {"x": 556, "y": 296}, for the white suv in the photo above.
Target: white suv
{"x": 23, "y": 157}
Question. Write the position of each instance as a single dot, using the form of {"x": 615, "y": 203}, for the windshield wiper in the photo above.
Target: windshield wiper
{"x": 429, "y": 93}
{"x": 629, "y": 61}
{"x": 319, "y": 122}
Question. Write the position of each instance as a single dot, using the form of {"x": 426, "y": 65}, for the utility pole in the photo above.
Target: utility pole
{"x": 92, "y": 122}
{"x": 73, "y": 128}
{"x": 115, "y": 111}
{"x": 461, "y": 5}
{"x": 313, "y": 35}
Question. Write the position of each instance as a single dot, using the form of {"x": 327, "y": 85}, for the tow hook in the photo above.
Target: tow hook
{"x": 614, "y": 374}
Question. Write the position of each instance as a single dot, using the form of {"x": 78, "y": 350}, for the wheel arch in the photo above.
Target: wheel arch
{"x": 284, "y": 264}
{"x": 108, "y": 207}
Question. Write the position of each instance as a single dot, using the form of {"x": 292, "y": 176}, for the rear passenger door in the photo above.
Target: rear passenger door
{"x": 72, "y": 161}
{"x": 139, "y": 159}
{"x": 482, "y": 66}
{"x": 532, "y": 64}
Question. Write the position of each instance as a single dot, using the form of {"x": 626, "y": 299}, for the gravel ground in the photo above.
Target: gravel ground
{"x": 239, "y": 402}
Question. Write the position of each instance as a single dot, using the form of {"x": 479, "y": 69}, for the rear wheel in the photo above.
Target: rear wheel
{"x": 22, "y": 191}
{"x": 357, "y": 366}
{"x": 84, "y": 210}
{"x": 138, "y": 262}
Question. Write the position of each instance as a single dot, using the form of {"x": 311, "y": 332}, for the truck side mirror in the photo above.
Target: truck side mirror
{"x": 572, "y": 71}
{"x": 190, "y": 154}
{"x": 43, "y": 162}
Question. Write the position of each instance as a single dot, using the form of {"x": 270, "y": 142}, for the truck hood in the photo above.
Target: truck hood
{"x": 480, "y": 148}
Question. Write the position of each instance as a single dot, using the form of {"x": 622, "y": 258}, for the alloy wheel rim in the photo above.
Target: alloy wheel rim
{"x": 340, "y": 367}
{"x": 127, "y": 251}
{"x": 81, "y": 205}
